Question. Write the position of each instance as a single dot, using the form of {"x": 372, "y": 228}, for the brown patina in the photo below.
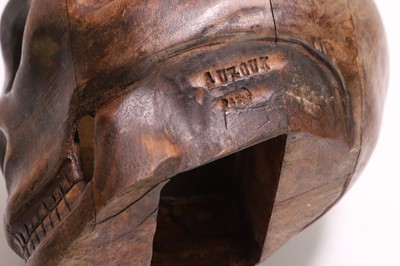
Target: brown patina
{"x": 172, "y": 132}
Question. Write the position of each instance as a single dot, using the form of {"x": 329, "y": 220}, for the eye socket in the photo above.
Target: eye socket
{"x": 11, "y": 34}
{"x": 3, "y": 146}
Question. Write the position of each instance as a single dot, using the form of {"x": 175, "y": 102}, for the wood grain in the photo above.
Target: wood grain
{"x": 182, "y": 132}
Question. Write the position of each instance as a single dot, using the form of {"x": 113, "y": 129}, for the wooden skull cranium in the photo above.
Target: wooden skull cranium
{"x": 176, "y": 132}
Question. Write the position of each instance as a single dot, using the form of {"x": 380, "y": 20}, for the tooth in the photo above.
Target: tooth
{"x": 27, "y": 254}
{"x": 54, "y": 217}
{"x": 35, "y": 222}
{"x": 57, "y": 194}
{"x": 64, "y": 183}
{"x": 18, "y": 241}
{"x": 44, "y": 229}
{"x": 42, "y": 211}
{"x": 29, "y": 229}
{"x": 30, "y": 248}
{"x": 34, "y": 243}
{"x": 47, "y": 224}
{"x": 54, "y": 198}
{"x": 51, "y": 221}
{"x": 67, "y": 204}
{"x": 45, "y": 207}
{"x": 61, "y": 190}
{"x": 63, "y": 208}
{"x": 72, "y": 196}
{"x": 28, "y": 232}
{"x": 58, "y": 214}
{"x": 37, "y": 219}
{"x": 49, "y": 203}
{"x": 32, "y": 228}
{"x": 36, "y": 238}
{"x": 68, "y": 179}
{"x": 40, "y": 233}
{"x": 21, "y": 239}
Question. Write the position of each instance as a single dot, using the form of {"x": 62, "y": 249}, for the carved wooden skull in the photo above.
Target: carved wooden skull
{"x": 182, "y": 132}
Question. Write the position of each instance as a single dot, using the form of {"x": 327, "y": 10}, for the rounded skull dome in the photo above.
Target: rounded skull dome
{"x": 176, "y": 132}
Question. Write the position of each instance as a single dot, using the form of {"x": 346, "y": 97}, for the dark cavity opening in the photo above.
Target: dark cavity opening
{"x": 85, "y": 137}
{"x": 11, "y": 34}
{"x": 218, "y": 214}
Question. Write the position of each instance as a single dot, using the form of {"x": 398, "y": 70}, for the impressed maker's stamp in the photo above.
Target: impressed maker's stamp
{"x": 235, "y": 70}
{"x": 228, "y": 75}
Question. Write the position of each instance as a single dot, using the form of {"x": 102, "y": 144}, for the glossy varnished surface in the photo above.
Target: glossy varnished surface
{"x": 136, "y": 92}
